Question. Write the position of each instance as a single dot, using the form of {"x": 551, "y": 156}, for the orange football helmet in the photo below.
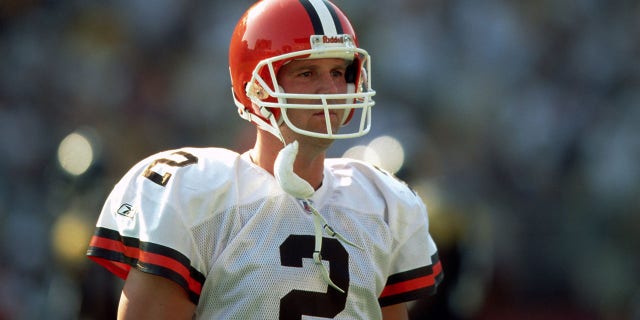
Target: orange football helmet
{"x": 274, "y": 32}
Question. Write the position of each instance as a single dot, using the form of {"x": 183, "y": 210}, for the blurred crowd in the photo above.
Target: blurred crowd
{"x": 520, "y": 123}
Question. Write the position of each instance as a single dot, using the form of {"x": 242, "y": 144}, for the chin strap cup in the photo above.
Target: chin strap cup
{"x": 288, "y": 180}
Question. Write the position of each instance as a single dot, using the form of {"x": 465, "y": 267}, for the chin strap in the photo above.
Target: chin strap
{"x": 320, "y": 224}
{"x": 291, "y": 183}
{"x": 271, "y": 126}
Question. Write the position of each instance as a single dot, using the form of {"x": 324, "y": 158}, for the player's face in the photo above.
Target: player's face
{"x": 314, "y": 76}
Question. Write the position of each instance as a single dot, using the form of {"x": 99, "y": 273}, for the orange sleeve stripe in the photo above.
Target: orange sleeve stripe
{"x": 413, "y": 284}
{"x": 148, "y": 257}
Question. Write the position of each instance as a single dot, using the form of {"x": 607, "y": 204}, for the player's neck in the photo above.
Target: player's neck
{"x": 309, "y": 164}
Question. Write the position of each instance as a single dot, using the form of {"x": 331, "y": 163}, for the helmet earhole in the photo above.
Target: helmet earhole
{"x": 350, "y": 73}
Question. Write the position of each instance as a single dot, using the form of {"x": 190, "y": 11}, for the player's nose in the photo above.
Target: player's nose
{"x": 328, "y": 84}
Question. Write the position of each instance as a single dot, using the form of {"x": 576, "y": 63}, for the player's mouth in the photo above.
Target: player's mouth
{"x": 321, "y": 114}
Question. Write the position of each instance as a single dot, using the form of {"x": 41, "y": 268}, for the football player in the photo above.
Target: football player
{"x": 278, "y": 231}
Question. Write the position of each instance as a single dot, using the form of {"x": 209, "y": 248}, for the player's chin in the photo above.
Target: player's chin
{"x": 320, "y": 143}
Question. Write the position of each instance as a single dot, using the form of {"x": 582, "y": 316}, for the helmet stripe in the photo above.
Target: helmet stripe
{"x": 323, "y": 17}
{"x": 334, "y": 17}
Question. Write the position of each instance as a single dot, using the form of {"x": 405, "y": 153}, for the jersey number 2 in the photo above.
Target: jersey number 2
{"x": 163, "y": 179}
{"x": 297, "y": 302}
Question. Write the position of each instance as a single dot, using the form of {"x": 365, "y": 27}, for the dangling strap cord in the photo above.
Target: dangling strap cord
{"x": 320, "y": 223}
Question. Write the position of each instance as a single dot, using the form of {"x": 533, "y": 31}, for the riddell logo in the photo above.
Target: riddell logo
{"x": 327, "y": 39}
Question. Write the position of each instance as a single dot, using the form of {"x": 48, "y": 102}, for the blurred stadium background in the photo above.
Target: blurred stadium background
{"x": 517, "y": 121}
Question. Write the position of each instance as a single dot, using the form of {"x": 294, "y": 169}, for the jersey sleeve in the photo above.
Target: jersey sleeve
{"x": 142, "y": 224}
{"x": 415, "y": 270}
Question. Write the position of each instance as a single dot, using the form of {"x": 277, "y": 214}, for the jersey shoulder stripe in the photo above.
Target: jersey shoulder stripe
{"x": 119, "y": 254}
{"x": 412, "y": 284}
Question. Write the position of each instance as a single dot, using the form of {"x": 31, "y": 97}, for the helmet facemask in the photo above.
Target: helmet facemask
{"x": 272, "y": 103}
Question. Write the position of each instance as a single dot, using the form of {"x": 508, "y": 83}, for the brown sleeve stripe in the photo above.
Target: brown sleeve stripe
{"x": 412, "y": 284}
{"x": 118, "y": 254}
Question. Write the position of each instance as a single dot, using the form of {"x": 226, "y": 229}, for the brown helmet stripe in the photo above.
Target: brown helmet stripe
{"x": 323, "y": 17}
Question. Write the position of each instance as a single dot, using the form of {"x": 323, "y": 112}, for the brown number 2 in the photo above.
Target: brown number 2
{"x": 162, "y": 180}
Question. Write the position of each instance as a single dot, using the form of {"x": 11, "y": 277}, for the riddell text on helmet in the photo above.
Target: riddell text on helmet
{"x": 333, "y": 39}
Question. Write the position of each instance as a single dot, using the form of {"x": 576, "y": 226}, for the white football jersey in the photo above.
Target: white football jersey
{"x": 221, "y": 227}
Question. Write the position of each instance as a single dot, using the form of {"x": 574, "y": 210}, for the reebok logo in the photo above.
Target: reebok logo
{"x": 126, "y": 210}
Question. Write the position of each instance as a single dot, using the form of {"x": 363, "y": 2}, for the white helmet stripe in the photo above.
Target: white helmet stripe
{"x": 323, "y": 17}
